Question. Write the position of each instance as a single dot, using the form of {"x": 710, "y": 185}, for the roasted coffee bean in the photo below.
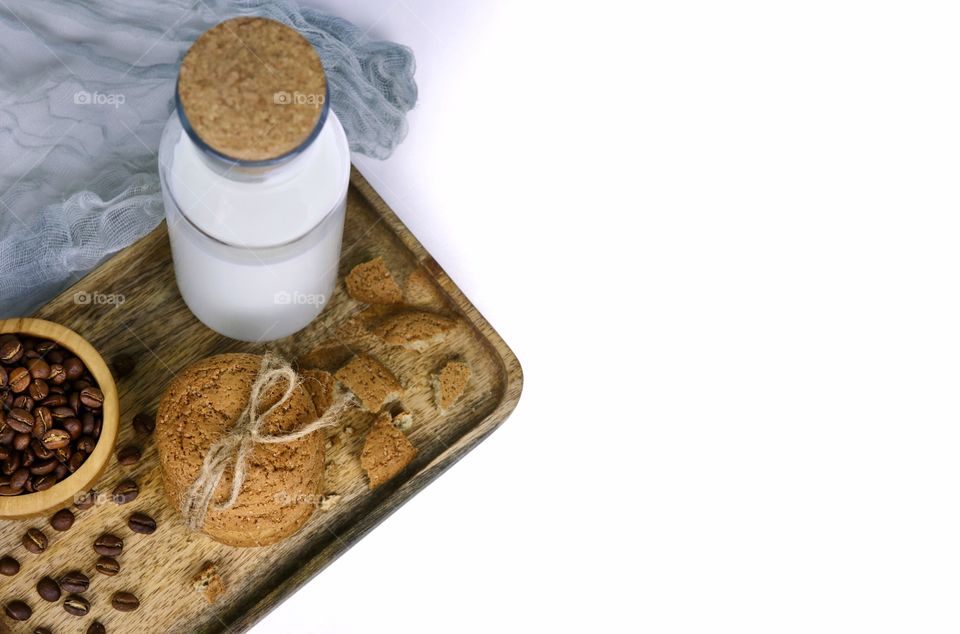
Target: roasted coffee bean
{"x": 19, "y": 478}
{"x": 91, "y": 397}
{"x": 44, "y": 346}
{"x": 60, "y": 472}
{"x": 3, "y": 377}
{"x": 108, "y": 545}
{"x": 6, "y": 490}
{"x": 21, "y": 442}
{"x": 7, "y": 434}
{"x": 42, "y": 421}
{"x": 48, "y": 589}
{"x": 125, "y": 601}
{"x": 56, "y": 439}
{"x": 44, "y": 467}
{"x": 55, "y": 400}
{"x": 74, "y": 368}
{"x": 96, "y": 628}
{"x": 80, "y": 384}
{"x": 24, "y": 401}
{"x": 63, "y": 453}
{"x": 11, "y": 350}
{"x": 35, "y": 541}
{"x": 12, "y": 463}
{"x": 84, "y": 501}
{"x": 44, "y": 482}
{"x": 4, "y": 452}
{"x": 56, "y": 356}
{"x": 76, "y": 461}
{"x": 129, "y": 455}
{"x": 123, "y": 365}
{"x": 144, "y": 423}
{"x": 107, "y": 566}
{"x": 62, "y": 520}
{"x": 76, "y": 605}
{"x": 86, "y": 444}
{"x": 126, "y": 491}
{"x": 88, "y": 421}
{"x": 27, "y": 456}
{"x": 142, "y": 523}
{"x": 9, "y": 566}
{"x": 18, "y": 611}
{"x": 39, "y": 450}
{"x": 38, "y": 389}
{"x": 20, "y": 420}
{"x": 19, "y": 379}
{"x": 75, "y": 581}
{"x": 63, "y": 411}
{"x": 57, "y": 374}
{"x": 73, "y": 426}
{"x": 39, "y": 369}
{"x": 73, "y": 400}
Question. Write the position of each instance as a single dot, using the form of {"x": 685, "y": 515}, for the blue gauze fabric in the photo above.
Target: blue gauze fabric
{"x": 86, "y": 90}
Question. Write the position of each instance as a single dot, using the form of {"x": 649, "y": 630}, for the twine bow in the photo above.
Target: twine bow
{"x": 237, "y": 444}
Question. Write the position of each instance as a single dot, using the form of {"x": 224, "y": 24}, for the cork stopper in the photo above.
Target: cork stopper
{"x": 252, "y": 89}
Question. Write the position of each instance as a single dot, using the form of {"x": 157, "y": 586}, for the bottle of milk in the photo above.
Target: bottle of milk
{"x": 254, "y": 167}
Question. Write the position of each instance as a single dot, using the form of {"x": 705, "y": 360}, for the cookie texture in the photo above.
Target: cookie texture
{"x": 386, "y": 451}
{"x": 370, "y": 381}
{"x": 372, "y": 283}
{"x": 208, "y": 582}
{"x": 450, "y": 383}
{"x": 201, "y": 405}
{"x": 321, "y": 386}
{"x": 415, "y": 329}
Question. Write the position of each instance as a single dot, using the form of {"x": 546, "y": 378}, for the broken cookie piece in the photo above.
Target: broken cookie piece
{"x": 208, "y": 582}
{"x": 450, "y": 383}
{"x": 386, "y": 451}
{"x": 370, "y": 381}
{"x": 415, "y": 330}
{"x": 372, "y": 283}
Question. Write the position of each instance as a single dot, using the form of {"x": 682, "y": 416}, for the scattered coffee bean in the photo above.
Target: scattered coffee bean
{"x": 62, "y": 520}
{"x": 125, "y": 601}
{"x": 143, "y": 423}
{"x": 76, "y": 605}
{"x": 108, "y": 545}
{"x": 19, "y": 611}
{"x": 9, "y": 566}
{"x": 142, "y": 523}
{"x": 123, "y": 364}
{"x": 126, "y": 491}
{"x": 35, "y": 541}
{"x": 48, "y": 589}
{"x": 84, "y": 501}
{"x": 96, "y": 628}
{"x": 129, "y": 455}
{"x": 75, "y": 581}
{"x": 107, "y": 566}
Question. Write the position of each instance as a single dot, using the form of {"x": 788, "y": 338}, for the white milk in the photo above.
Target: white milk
{"x": 256, "y": 251}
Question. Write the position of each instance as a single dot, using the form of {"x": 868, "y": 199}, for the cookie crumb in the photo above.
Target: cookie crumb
{"x": 208, "y": 582}
{"x": 329, "y": 501}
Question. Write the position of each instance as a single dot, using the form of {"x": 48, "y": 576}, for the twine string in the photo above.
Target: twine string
{"x": 237, "y": 444}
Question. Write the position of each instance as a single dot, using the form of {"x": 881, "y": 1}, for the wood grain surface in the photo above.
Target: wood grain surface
{"x": 153, "y": 324}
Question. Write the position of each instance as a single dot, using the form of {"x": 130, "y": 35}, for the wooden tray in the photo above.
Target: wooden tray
{"x": 153, "y": 324}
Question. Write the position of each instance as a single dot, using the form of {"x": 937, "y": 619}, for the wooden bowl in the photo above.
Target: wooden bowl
{"x": 63, "y": 492}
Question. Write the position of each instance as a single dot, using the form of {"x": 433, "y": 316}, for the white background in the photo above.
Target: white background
{"x": 722, "y": 239}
